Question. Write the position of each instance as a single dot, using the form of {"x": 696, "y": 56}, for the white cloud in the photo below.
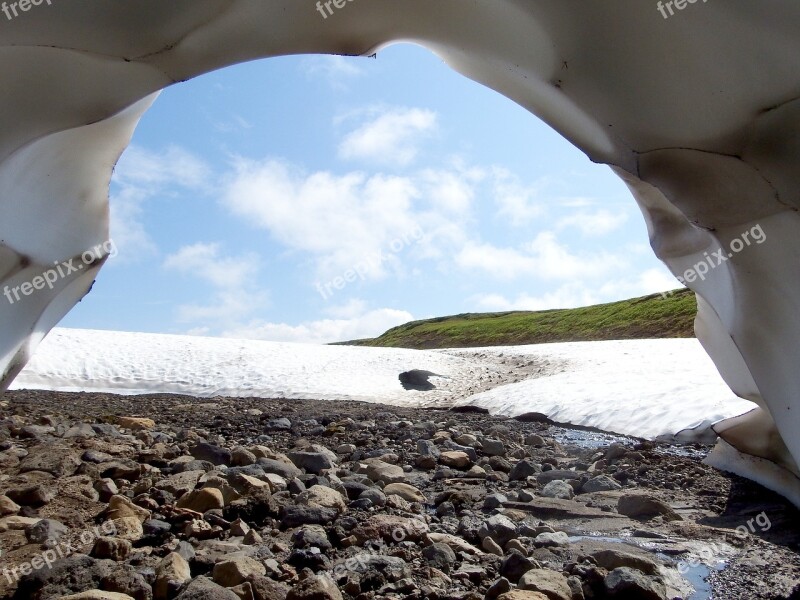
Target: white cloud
{"x": 571, "y": 295}
{"x": 204, "y": 261}
{"x": 335, "y": 70}
{"x": 325, "y": 331}
{"x": 153, "y": 170}
{"x": 576, "y": 293}
{"x": 234, "y": 280}
{"x": 596, "y": 223}
{"x": 341, "y": 220}
{"x": 544, "y": 258}
{"x": 517, "y": 202}
{"x": 391, "y": 138}
{"x": 140, "y": 176}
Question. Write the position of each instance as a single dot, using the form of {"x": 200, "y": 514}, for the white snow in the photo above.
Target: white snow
{"x": 646, "y": 388}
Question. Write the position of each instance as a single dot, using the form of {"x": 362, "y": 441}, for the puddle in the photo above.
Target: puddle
{"x": 592, "y": 440}
{"x": 693, "y": 573}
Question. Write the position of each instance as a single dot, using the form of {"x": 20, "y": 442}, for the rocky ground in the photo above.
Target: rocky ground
{"x": 105, "y": 496}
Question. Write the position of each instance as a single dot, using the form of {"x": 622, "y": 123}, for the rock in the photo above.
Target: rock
{"x": 499, "y": 587}
{"x": 171, "y": 573}
{"x": 270, "y": 465}
{"x": 80, "y": 572}
{"x": 553, "y": 585}
{"x": 546, "y": 477}
{"x": 241, "y": 457}
{"x": 644, "y": 506}
{"x": 313, "y": 462}
{"x": 534, "y": 439}
{"x": 265, "y": 588}
{"x": 405, "y": 491}
{"x": 515, "y": 565}
{"x": 493, "y": 501}
{"x": 202, "y": 588}
{"x": 121, "y": 506}
{"x": 8, "y": 506}
{"x": 522, "y": 595}
{"x": 202, "y": 500}
{"x": 316, "y": 587}
{"x": 106, "y": 489}
{"x": 522, "y": 470}
{"x": 493, "y": 447}
{"x": 312, "y": 536}
{"x": 615, "y": 451}
{"x": 15, "y": 522}
{"x": 601, "y": 483}
{"x": 136, "y": 423}
{"x": 612, "y": 559}
{"x": 236, "y": 570}
{"x": 128, "y": 528}
{"x": 378, "y": 470}
{"x": 111, "y": 548}
{"x": 318, "y": 496}
{"x": 280, "y": 424}
{"x": 624, "y": 582}
{"x": 439, "y": 556}
{"x": 374, "y": 495}
{"x": 46, "y": 530}
{"x": 455, "y": 459}
{"x": 97, "y": 595}
{"x": 120, "y": 469}
{"x": 211, "y": 453}
{"x": 294, "y": 516}
{"x": 156, "y": 530}
{"x": 547, "y": 539}
{"x": 558, "y": 489}
{"x": 80, "y": 430}
{"x": 345, "y": 449}
{"x": 500, "y": 528}
{"x": 180, "y": 483}
{"x": 427, "y": 448}
{"x": 276, "y": 482}
{"x": 491, "y": 546}
{"x": 35, "y": 495}
{"x": 390, "y": 528}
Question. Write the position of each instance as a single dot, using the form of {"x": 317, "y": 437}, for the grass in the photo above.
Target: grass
{"x": 651, "y": 316}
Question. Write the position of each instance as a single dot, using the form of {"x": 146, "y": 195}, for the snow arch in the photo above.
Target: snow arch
{"x": 695, "y": 105}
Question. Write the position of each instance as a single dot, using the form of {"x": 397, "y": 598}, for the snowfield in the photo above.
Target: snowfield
{"x": 646, "y": 388}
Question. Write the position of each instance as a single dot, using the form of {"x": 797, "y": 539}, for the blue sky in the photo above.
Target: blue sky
{"x": 317, "y": 199}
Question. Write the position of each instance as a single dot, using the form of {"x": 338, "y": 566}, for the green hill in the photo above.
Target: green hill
{"x": 653, "y": 316}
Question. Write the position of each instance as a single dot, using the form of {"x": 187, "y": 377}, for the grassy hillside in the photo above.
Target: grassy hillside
{"x": 652, "y": 316}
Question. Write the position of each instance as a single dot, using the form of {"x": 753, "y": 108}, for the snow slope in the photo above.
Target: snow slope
{"x": 646, "y": 388}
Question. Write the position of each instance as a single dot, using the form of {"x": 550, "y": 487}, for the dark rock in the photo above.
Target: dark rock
{"x": 35, "y": 495}
{"x": 440, "y": 556}
{"x": 644, "y": 506}
{"x": 515, "y": 565}
{"x": 202, "y": 588}
{"x": 211, "y": 453}
{"x": 522, "y": 470}
{"x": 58, "y": 461}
